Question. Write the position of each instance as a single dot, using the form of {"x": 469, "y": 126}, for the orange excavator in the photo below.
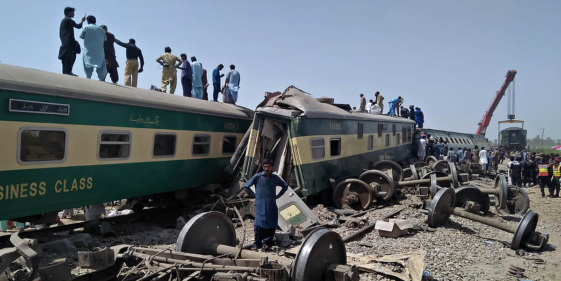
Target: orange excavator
{"x": 482, "y": 129}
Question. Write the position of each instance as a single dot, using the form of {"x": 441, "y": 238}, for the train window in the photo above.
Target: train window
{"x": 394, "y": 129}
{"x": 370, "y": 142}
{"x": 201, "y": 145}
{"x": 360, "y": 130}
{"x": 229, "y": 145}
{"x": 387, "y": 140}
{"x": 335, "y": 146}
{"x": 409, "y": 137}
{"x": 164, "y": 145}
{"x": 398, "y": 139}
{"x": 404, "y": 134}
{"x": 114, "y": 145}
{"x": 41, "y": 145}
{"x": 380, "y": 129}
{"x": 318, "y": 148}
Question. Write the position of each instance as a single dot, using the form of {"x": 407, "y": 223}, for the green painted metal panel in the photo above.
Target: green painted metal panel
{"x": 84, "y": 112}
{"x": 106, "y": 182}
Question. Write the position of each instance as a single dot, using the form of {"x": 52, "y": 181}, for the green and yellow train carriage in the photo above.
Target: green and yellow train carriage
{"x": 320, "y": 147}
{"x": 68, "y": 142}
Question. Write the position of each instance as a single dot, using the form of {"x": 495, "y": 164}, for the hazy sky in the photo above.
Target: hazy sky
{"x": 447, "y": 57}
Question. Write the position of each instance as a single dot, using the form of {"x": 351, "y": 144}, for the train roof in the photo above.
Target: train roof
{"x": 295, "y": 102}
{"x": 21, "y": 79}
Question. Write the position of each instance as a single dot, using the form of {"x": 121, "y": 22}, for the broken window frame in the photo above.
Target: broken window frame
{"x": 312, "y": 147}
{"x": 122, "y": 143}
{"x": 154, "y": 145}
{"x": 235, "y": 142}
{"x": 338, "y": 148}
{"x": 20, "y": 146}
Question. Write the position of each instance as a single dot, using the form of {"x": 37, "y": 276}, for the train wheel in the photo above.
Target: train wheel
{"x": 352, "y": 193}
{"x": 381, "y": 184}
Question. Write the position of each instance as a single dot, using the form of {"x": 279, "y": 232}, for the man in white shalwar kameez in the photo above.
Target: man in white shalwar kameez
{"x": 483, "y": 159}
{"x": 422, "y": 148}
{"x": 93, "y": 53}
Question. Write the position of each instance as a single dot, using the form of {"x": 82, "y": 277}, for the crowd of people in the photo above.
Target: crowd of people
{"x": 525, "y": 169}
{"x": 396, "y": 108}
{"x": 99, "y": 55}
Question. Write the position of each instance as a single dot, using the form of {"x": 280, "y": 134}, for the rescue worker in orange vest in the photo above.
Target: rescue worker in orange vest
{"x": 555, "y": 185}
{"x": 544, "y": 176}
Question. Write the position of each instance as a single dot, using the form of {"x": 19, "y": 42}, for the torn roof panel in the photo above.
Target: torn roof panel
{"x": 295, "y": 99}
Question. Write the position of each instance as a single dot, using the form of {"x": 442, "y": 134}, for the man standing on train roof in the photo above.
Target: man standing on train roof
{"x": 110, "y": 58}
{"x": 556, "y": 179}
{"x": 232, "y": 85}
{"x": 69, "y": 47}
{"x": 169, "y": 70}
{"x": 404, "y": 112}
{"x": 186, "y": 76}
{"x": 94, "y": 56}
{"x": 362, "y": 107}
{"x": 418, "y": 117}
{"x": 483, "y": 159}
{"x": 394, "y": 105}
{"x": 131, "y": 68}
{"x": 412, "y": 112}
{"x": 380, "y": 101}
{"x": 204, "y": 79}
{"x": 197, "y": 71}
{"x": 266, "y": 210}
{"x": 216, "y": 75}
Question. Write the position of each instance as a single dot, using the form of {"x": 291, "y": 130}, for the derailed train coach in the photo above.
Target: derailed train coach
{"x": 322, "y": 148}
{"x": 69, "y": 142}
{"x": 317, "y": 146}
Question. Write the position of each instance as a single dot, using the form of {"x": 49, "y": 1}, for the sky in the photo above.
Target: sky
{"x": 447, "y": 57}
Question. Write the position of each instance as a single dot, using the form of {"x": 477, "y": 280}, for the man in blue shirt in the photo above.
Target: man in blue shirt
{"x": 216, "y": 81}
{"x": 266, "y": 210}
{"x": 186, "y": 76}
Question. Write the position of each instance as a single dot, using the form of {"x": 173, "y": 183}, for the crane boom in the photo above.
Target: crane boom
{"x": 489, "y": 113}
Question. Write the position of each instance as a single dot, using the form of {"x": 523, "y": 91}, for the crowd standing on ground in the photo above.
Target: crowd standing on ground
{"x": 99, "y": 55}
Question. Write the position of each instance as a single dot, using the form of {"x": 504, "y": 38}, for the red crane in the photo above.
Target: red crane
{"x": 489, "y": 113}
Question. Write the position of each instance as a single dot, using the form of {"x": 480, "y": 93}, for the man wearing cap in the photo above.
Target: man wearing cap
{"x": 133, "y": 54}
{"x": 197, "y": 70}
{"x": 110, "y": 58}
{"x": 556, "y": 184}
{"x": 169, "y": 70}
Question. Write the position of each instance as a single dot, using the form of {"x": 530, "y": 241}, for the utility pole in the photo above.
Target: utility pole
{"x": 541, "y": 144}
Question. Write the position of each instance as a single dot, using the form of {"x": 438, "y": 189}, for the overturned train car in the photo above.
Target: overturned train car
{"x": 321, "y": 148}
